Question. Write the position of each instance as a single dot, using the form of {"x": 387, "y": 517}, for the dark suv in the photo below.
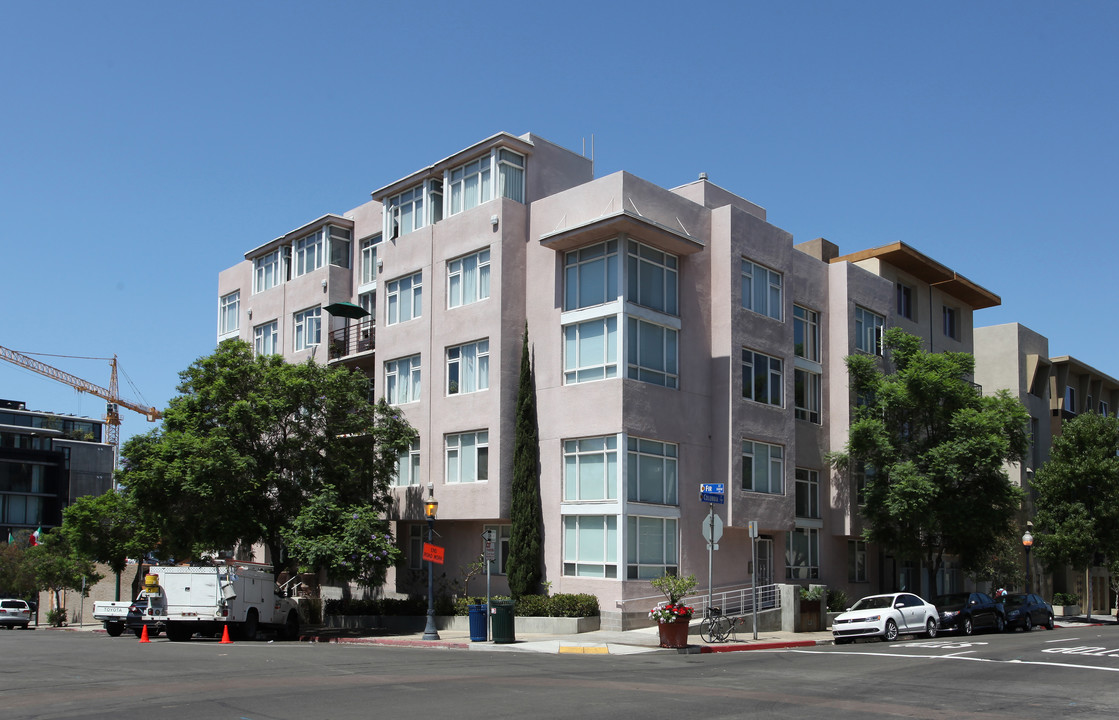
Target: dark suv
{"x": 968, "y": 612}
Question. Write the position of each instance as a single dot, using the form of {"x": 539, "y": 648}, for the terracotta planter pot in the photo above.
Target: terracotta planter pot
{"x": 674, "y": 634}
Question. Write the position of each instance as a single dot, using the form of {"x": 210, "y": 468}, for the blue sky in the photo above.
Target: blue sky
{"x": 146, "y": 146}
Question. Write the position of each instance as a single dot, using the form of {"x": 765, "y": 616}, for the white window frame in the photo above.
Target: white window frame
{"x": 469, "y": 185}
{"x": 651, "y": 272}
{"x": 771, "y": 463}
{"x": 468, "y": 279}
{"x": 307, "y": 328}
{"x": 807, "y": 395}
{"x": 581, "y": 557}
{"x": 806, "y": 325}
{"x": 663, "y": 368}
{"x": 229, "y": 313}
{"x": 369, "y": 249}
{"x": 341, "y": 243}
{"x": 462, "y": 378}
{"x": 402, "y": 380}
{"x": 807, "y": 496}
{"x": 310, "y": 252}
{"x": 266, "y": 338}
{"x": 869, "y": 327}
{"x": 771, "y": 281}
{"x": 645, "y": 461}
{"x": 268, "y": 271}
{"x": 580, "y": 456}
{"x": 772, "y": 375}
{"x": 856, "y": 561}
{"x": 603, "y": 260}
{"x": 408, "y": 467}
{"x": 808, "y": 567}
{"x": 458, "y": 458}
{"x": 404, "y": 293}
{"x": 579, "y": 363}
{"x": 667, "y": 562}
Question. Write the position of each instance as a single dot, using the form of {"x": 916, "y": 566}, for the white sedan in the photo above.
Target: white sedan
{"x": 886, "y": 616}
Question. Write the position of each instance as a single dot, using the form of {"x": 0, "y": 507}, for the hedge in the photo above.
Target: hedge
{"x": 559, "y": 605}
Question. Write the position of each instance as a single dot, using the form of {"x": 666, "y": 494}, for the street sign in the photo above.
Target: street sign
{"x": 717, "y": 488}
{"x": 753, "y": 525}
{"x": 491, "y": 550}
{"x": 434, "y": 553}
{"x": 712, "y": 528}
{"x": 717, "y": 499}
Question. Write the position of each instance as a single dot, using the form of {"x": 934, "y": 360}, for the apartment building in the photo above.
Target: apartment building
{"x": 679, "y": 338}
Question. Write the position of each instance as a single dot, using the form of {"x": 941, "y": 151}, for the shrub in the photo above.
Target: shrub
{"x": 1066, "y": 599}
{"x": 573, "y": 605}
{"x": 56, "y": 617}
{"x": 816, "y": 593}
{"x": 562, "y": 605}
{"x": 837, "y": 601}
{"x": 533, "y": 606}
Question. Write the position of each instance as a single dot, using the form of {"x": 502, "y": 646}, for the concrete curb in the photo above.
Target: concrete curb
{"x": 741, "y": 647}
{"x": 398, "y": 642}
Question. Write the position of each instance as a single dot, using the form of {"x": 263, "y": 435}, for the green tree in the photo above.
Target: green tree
{"x": 250, "y": 443}
{"x": 526, "y": 541}
{"x": 1077, "y": 494}
{"x": 933, "y": 448}
{"x": 17, "y": 576}
{"x": 108, "y": 528}
{"x": 59, "y": 567}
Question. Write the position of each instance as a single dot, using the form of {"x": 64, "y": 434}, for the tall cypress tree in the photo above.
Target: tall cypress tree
{"x": 526, "y": 538}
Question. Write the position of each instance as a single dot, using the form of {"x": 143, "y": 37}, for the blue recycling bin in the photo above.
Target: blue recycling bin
{"x": 477, "y": 623}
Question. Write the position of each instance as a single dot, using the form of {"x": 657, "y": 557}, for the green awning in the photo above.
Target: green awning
{"x": 345, "y": 309}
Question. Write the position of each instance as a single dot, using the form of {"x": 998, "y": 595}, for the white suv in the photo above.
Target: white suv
{"x": 14, "y": 612}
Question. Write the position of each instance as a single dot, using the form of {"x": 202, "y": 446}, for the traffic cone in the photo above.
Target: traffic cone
{"x": 225, "y": 636}
{"x": 144, "y": 635}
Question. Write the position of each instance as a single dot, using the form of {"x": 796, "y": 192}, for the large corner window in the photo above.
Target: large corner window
{"x": 468, "y": 457}
{"x": 590, "y": 350}
{"x": 590, "y": 469}
{"x": 869, "y": 327}
{"x": 310, "y": 252}
{"x": 405, "y": 299}
{"x": 468, "y": 279}
{"x": 414, "y": 208}
{"x": 652, "y": 353}
{"x": 264, "y": 339}
{"x": 590, "y": 546}
{"x": 270, "y": 270}
{"x": 651, "y": 547}
{"x": 468, "y": 367}
{"x": 340, "y": 240}
{"x": 762, "y": 378}
{"x": 402, "y": 380}
{"x": 471, "y": 184}
{"x": 763, "y": 467}
{"x": 590, "y": 275}
{"x": 762, "y": 290}
{"x": 229, "y": 310}
{"x": 651, "y": 471}
{"x": 307, "y": 325}
{"x": 651, "y": 278}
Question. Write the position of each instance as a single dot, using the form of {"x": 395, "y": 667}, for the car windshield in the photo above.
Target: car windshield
{"x": 874, "y": 603}
{"x": 951, "y": 600}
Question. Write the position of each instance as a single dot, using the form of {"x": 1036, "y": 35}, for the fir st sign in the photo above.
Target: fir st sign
{"x": 712, "y": 493}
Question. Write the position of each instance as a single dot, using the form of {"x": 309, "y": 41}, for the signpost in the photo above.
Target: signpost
{"x": 753, "y": 526}
{"x": 713, "y": 494}
{"x": 490, "y": 553}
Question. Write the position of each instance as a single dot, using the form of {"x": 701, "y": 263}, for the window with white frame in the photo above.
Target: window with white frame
{"x": 229, "y": 312}
{"x": 652, "y": 353}
{"x": 763, "y": 467}
{"x": 510, "y": 175}
{"x": 307, "y": 328}
{"x": 762, "y": 378}
{"x": 470, "y": 185}
{"x": 402, "y": 380}
{"x": 408, "y": 466}
{"x": 651, "y": 277}
{"x": 802, "y": 554}
{"x": 468, "y": 279}
{"x": 414, "y": 208}
{"x": 590, "y": 546}
{"x": 368, "y": 303}
{"x": 268, "y": 271}
{"x": 590, "y": 275}
{"x": 415, "y": 547}
{"x": 590, "y": 350}
{"x": 651, "y": 471}
{"x": 951, "y": 323}
{"x": 869, "y": 327}
{"x": 340, "y": 246}
{"x": 369, "y": 248}
{"x": 468, "y": 367}
{"x": 806, "y": 333}
{"x": 905, "y": 301}
{"x": 405, "y": 298}
{"x": 651, "y": 547}
{"x": 806, "y": 388}
{"x": 501, "y": 534}
{"x": 468, "y": 457}
{"x": 761, "y": 290}
{"x": 807, "y": 493}
{"x": 856, "y": 561}
{"x": 265, "y": 339}
{"x": 590, "y": 469}
{"x": 310, "y": 252}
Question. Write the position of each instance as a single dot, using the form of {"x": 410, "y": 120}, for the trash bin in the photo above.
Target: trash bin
{"x": 501, "y": 621}
{"x": 477, "y": 623}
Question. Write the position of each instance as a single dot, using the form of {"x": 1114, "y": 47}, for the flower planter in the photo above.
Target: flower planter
{"x": 673, "y": 634}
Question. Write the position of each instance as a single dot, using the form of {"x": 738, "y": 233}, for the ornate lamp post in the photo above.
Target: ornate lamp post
{"x": 1028, "y": 542}
{"x": 431, "y": 505}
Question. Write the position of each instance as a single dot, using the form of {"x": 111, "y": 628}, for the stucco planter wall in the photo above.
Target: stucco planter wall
{"x": 416, "y": 623}
{"x": 1066, "y": 610}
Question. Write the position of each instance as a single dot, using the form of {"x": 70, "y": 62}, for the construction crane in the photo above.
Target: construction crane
{"x": 110, "y": 394}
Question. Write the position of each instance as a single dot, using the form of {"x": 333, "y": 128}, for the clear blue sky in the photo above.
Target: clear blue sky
{"x": 144, "y": 147}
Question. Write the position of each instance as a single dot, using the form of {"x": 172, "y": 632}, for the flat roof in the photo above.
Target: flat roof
{"x": 502, "y": 139}
{"x": 328, "y": 219}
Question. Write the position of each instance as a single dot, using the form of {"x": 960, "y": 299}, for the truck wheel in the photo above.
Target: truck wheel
{"x": 114, "y": 629}
{"x": 248, "y": 630}
{"x": 139, "y": 632}
{"x": 290, "y": 630}
{"x": 177, "y": 633}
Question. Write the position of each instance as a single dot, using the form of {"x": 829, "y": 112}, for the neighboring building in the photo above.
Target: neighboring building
{"x": 679, "y": 338}
{"x": 46, "y": 462}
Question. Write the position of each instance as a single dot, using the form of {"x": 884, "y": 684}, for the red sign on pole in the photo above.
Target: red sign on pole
{"x": 434, "y": 553}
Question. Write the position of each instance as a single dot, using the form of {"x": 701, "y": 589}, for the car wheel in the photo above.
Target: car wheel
{"x": 891, "y": 632}
{"x": 842, "y": 641}
{"x": 1028, "y": 623}
{"x": 1000, "y": 624}
{"x": 1049, "y": 624}
{"x": 931, "y": 628}
{"x": 966, "y": 626}
{"x": 114, "y": 629}
{"x": 139, "y": 632}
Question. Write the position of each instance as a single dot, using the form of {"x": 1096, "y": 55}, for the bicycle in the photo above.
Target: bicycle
{"x": 715, "y": 626}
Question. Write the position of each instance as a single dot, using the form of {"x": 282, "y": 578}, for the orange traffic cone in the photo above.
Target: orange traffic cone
{"x": 225, "y": 636}
{"x": 144, "y": 635}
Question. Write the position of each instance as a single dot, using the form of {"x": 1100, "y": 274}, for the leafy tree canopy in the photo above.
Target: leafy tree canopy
{"x": 107, "y": 528}
{"x": 933, "y": 448}
{"x": 58, "y": 566}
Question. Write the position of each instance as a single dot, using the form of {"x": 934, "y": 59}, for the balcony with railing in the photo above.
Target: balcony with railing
{"x": 353, "y": 339}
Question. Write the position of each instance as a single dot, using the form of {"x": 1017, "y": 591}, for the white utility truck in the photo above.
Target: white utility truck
{"x": 240, "y": 596}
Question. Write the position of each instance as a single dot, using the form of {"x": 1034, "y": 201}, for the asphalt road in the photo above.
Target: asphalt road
{"x": 1046, "y": 674}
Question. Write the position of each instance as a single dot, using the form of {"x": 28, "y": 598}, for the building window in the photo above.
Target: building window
{"x": 369, "y": 248}
{"x": 651, "y": 276}
{"x": 308, "y": 325}
{"x": 863, "y": 476}
{"x": 951, "y": 324}
{"x": 267, "y": 271}
{"x": 470, "y": 185}
{"x": 905, "y": 301}
{"x": 468, "y": 367}
{"x": 368, "y": 303}
{"x": 264, "y": 339}
{"x": 802, "y": 553}
{"x": 405, "y": 298}
{"x": 468, "y": 279}
{"x": 761, "y": 290}
{"x": 510, "y": 175}
{"x": 1070, "y": 399}
{"x": 652, "y": 353}
{"x": 806, "y": 333}
{"x": 651, "y": 471}
{"x": 408, "y": 466}
{"x": 340, "y": 246}
{"x": 590, "y": 350}
{"x": 590, "y": 469}
{"x": 763, "y": 467}
{"x": 762, "y": 378}
{"x": 590, "y": 275}
{"x": 806, "y": 388}
{"x": 590, "y": 546}
{"x": 501, "y": 534}
{"x": 856, "y": 561}
{"x": 402, "y": 380}
{"x": 807, "y": 493}
{"x": 868, "y": 331}
{"x": 229, "y": 311}
{"x": 405, "y": 212}
{"x": 415, "y": 547}
{"x": 310, "y": 253}
{"x": 468, "y": 457}
{"x": 1103, "y": 409}
{"x": 651, "y": 547}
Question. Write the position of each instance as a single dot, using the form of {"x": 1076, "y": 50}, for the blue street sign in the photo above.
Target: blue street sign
{"x": 717, "y": 498}
{"x": 718, "y": 488}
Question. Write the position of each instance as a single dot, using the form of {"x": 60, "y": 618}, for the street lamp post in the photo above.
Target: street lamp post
{"x": 1027, "y": 542}
{"x": 430, "y": 508}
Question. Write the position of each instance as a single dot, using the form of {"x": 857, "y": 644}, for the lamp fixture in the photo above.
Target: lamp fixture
{"x": 431, "y": 506}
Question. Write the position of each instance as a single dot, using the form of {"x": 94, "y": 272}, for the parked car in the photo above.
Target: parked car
{"x": 14, "y": 613}
{"x": 967, "y": 612}
{"x": 885, "y": 616}
{"x": 1025, "y": 610}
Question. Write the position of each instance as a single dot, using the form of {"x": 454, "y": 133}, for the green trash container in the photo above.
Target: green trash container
{"x": 501, "y": 621}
